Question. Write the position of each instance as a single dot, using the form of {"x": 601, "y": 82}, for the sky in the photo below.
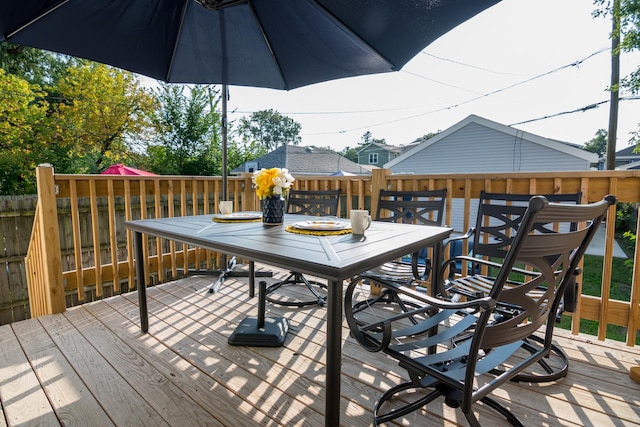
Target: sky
{"x": 511, "y": 64}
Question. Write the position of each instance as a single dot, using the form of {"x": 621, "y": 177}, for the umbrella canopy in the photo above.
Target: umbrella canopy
{"x": 120, "y": 169}
{"x": 281, "y": 44}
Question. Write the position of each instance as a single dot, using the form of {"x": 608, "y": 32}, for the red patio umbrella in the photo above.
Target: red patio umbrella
{"x": 120, "y": 169}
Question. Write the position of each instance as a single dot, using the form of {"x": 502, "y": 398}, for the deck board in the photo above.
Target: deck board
{"x": 92, "y": 366}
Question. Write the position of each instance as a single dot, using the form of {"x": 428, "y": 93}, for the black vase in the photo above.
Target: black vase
{"x": 273, "y": 210}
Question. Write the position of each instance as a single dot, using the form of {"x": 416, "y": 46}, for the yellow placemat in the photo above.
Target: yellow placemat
{"x": 292, "y": 229}
{"x": 236, "y": 220}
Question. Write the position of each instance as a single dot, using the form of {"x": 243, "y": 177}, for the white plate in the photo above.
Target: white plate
{"x": 239, "y": 215}
{"x": 322, "y": 225}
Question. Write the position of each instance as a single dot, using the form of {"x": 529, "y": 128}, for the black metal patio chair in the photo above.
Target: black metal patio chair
{"x": 497, "y": 222}
{"x": 459, "y": 349}
{"x": 314, "y": 203}
{"x": 409, "y": 207}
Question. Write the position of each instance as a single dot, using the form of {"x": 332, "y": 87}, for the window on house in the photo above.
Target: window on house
{"x": 373, "y": 158}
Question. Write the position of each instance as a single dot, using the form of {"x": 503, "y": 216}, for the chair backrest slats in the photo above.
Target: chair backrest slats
{"x": 549, "y": 260}
{"x": 314, "y": 203}
{"x": 499, "y": 217}
{"x": 412, "y": 207}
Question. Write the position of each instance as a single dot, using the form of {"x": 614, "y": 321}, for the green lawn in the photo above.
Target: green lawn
{"x": 621, "y": 276}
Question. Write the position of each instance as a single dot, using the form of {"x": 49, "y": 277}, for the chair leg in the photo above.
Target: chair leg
{"x": 380, "y": 417}
{"x": 553, "y": 373}
{"x": 513, "y": 420}
{"x": 296, "y": 279}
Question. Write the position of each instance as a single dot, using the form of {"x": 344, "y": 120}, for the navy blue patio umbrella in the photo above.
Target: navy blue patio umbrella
{"x": 280, "y": 44}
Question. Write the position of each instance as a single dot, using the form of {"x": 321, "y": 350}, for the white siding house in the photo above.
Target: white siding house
{"x": 478, "y": 145}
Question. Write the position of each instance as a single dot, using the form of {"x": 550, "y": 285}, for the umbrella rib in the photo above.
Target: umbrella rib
{"x": 175, "y": 45}
{"x": 37, "y": 18}
{"x": 266, "y": 41}
{"x": 348, "y": 29}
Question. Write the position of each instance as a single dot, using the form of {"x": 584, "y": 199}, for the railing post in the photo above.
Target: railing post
{"x": 378, "y": 182}
{"x": 248, "y": 193}
{"x": 44, "y": 260}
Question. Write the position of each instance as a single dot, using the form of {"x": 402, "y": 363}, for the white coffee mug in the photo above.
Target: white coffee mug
{"x": 360, "y": 221}
{"x": 226, "y": 207}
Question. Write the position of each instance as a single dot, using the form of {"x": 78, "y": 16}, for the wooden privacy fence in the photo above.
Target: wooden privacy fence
{"x": 102, "y": 253}
{"x": 16, "y": 221}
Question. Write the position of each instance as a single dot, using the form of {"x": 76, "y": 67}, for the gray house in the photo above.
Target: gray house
{"x": 304, "y": 161}
{"x": 478, "y": 145}
{"x": 626, "y": 159}
{"x": 376, "y": 154}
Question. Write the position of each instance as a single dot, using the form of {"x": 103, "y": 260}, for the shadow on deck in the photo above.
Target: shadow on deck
{"x": 92, "y": 366}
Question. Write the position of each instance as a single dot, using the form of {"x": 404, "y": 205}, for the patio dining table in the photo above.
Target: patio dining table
{"x": 334, "y": 258}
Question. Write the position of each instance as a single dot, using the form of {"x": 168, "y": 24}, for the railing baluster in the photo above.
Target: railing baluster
{"x": 357, "y": 193}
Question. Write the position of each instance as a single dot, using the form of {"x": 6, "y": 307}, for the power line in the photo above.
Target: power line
{"x": 575, "y": 63}
{"x": 475, "y": 67}
{"x": 577, "y": 110}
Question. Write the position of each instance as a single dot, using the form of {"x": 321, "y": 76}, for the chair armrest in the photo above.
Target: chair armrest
{"x": 484, "y": 303}
{"x": 469, "y": 234}
{"x": 377, "y": 336}
{"x": 480, "y": 261}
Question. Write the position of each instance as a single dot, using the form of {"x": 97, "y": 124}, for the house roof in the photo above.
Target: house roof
{"x": 627, "y": 153}
{"x": 306, "y": 161}
{"x": 389, "y": 148}
{"x": 629, "y": 166}
{"x": 565, "y": 147}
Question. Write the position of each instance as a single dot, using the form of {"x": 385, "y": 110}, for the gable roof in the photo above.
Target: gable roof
{"x": 627, "y": 153}
{"x": 306, "y": 161}
{"x": 386, "y": 147}
{"x": 565, "y": 147}
{"x": 629, "y": 166}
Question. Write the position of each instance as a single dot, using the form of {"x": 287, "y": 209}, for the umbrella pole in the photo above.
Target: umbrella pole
{"x": 224, "y": 142}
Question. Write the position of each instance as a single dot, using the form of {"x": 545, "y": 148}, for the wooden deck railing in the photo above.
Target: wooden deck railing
{"x": 96, "y": 252}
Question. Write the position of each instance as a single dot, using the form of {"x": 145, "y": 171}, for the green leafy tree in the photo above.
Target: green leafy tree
{"x": 267, "y": 130}
{"x": 350, "y": 153}
{"x": 367, "y": 138}
{"x": 103, "y": 111}
{"x": 33, "y": 65}
{"x": 188, "y": 131}
{"x": 598, "y": 144}
{"x": 23, "y": 126}
{"x": 626, "y": 15}
{"x": 629, "y": 32}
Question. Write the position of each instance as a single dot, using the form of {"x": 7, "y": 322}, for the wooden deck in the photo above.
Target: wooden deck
{"x": 91, "y": 366}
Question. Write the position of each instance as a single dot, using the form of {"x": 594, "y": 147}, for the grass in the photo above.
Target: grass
{"x": 621, "y": 279}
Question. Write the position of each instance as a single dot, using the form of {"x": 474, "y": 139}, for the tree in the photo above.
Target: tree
{"x": 103, "y": 111}
{"x": 36, "y": 66}
{"x": 267, "y": 130}
{"x": 351, "y": 153}
{"x": 367, "y": 138}
{"x": 625, "y": 37}
{"x": 188, "y": 131}
{"x": 23, "y": 118}
{"x": 598, "y": 144}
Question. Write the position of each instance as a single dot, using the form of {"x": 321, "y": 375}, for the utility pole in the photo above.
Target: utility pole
{"x": 615, "y": 86}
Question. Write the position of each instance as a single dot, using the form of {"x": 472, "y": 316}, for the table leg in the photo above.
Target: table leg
{"x": 334, "y": 354}
{"x": 140, "y": 282}
{"x": 436, "y": 269}
{"x": 252, "y": 279}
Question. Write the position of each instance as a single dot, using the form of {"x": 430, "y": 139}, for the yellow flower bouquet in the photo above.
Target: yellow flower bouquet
{"x": 272, "y": 182}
